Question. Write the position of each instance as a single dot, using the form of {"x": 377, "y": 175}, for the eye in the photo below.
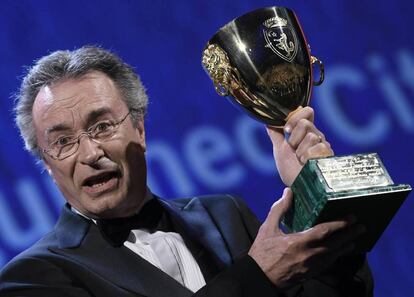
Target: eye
{"x": 102, "y": 126}
{"x": 102, "y": 129}
{"x": 62, "y": 141}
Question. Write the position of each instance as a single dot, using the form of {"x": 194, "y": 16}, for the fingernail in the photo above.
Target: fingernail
{"x": 286, "y": 191}
{"x": 287, "y": 129}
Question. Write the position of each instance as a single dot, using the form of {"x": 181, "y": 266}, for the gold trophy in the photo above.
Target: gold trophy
{"x": 261, "y": 62}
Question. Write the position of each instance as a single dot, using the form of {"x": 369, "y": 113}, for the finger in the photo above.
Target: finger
{"x": 323, "y": 231}
{"x": 295, "y": 116}
{"x": 343, "y": 242}
{"x": 279, "y": 208}
{"x": 299, "y": 132}
{"x": 311, "y": 139}
{"x": 319, "y": 150}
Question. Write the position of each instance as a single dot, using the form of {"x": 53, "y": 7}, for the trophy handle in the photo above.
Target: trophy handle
{"x": 217, "y": 64}
{"x": 321, "y": 70}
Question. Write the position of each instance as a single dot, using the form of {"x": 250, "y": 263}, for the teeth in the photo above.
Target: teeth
{"x": 100, "y": 181}
{"x": 98, "y": 185}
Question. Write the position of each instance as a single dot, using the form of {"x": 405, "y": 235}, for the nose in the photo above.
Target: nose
{"x": 89, "y": 151}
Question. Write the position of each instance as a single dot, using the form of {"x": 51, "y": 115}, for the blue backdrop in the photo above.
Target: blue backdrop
{"x": 198, "y": 143}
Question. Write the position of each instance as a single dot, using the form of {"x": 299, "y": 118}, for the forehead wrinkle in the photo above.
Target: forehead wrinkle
{"x": 50, "y": 107}
{"x": 92, "y": 115}
{"x": 62, "y": 126}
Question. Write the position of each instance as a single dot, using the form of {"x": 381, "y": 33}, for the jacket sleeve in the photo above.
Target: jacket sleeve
{"x": 35, "y": 277}
{"x": 242, "y": 279}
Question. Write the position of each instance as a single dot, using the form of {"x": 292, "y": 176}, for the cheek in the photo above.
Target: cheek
{"x": 63, "y": 174}
{"x": 65, "y": 182}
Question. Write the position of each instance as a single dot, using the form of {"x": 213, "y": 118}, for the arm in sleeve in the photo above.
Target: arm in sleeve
{"x": 34, "y": 277}
{"x": 242, "y": 279}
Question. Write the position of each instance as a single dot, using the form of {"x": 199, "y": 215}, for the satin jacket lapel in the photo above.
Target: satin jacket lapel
{"x": 80, "y": 240}
{"x": 195, "y": 220}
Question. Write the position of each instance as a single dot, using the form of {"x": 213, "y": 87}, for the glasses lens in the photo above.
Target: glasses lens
{"x": 66, "y": 150}
{"x": 106, "y": 134}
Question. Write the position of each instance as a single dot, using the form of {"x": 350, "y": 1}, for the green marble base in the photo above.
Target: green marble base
{"x": 332, "y": 188}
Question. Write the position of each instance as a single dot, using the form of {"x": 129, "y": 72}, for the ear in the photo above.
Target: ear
{"x": 140, "y": 132}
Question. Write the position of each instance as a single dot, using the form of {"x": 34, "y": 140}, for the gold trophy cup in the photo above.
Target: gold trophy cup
{"x": 261, "y": 62}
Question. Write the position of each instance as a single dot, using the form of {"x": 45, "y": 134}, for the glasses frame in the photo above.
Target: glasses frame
{"x": 90, "y": 134}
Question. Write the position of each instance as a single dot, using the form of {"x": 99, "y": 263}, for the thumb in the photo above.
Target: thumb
{"x": 279, "y": 208}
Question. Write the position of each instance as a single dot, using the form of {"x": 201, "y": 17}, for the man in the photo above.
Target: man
{"x": 82, "y": 114}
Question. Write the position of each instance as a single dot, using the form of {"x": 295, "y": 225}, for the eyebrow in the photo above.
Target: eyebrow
{"x": 57, "y": 128}
{"x": 95, "y": 114}
{"x": 90, "y": 118}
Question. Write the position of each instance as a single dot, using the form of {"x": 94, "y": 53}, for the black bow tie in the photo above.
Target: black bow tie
{"x": 116, "y": 231}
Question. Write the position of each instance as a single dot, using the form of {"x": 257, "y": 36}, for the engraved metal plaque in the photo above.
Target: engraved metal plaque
{"x": 353, "y": 172}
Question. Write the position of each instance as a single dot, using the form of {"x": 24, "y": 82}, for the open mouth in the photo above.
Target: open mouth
{"x": 101, "y": 183}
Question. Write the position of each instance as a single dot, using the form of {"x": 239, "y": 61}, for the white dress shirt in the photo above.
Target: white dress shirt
{"x": 165, "y": 250}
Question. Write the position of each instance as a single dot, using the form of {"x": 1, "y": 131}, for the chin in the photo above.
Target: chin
{"x": 111, "y": 207}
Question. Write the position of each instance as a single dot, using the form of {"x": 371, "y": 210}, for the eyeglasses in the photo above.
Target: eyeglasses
{"x": 100, "y": 132}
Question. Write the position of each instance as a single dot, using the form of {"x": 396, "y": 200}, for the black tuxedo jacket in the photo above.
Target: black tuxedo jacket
{"x": 74, "y": 260}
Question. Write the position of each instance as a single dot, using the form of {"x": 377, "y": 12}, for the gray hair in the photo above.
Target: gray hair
{"x": 61, "y": 65}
